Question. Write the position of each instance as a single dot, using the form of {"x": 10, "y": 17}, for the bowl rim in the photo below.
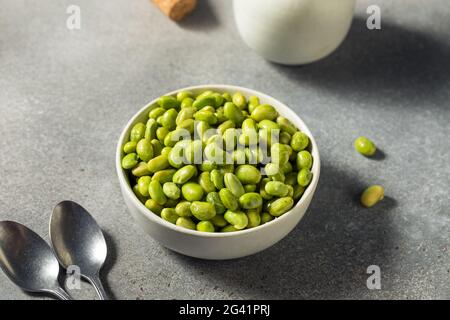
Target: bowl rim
{"x": 310, "y": 189}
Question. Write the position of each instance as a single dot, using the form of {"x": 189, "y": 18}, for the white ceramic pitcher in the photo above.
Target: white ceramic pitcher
{"x": 293, "y": 32}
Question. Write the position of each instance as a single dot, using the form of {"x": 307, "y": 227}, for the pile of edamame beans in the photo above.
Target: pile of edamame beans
{"x": 217, "y": 161}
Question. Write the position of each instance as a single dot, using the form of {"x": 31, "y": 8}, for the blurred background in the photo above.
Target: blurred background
{"x": 66, "y": 95}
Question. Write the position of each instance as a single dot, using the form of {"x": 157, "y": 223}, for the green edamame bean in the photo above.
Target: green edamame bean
{"x": 161, "y": 133}
{"x": 281, "y": 206}
{"x": 253, "y": 102}
{"x": 266, "y": 137}
{"x": 268, "y": 125}
{"x": 137, "y": 132}
{"x": 187, "y": 102}
{"x": 249, "y": 138}
{"x": 365, "y": 146}
{"x": 220, "y": 114}
{"x": 130, "y": 161}
{"x": 176, "y": 156}
{"x": 285, "y": 137}
{"x": 155, "y": 113}
{"x": 205, "y": 93}
{"x": 138, "y": 194}
{"x": 298, "y": 191}
{"x": 206, "y": 115}
{"x": 204, "y": 179}
{"x": 188, "y": 125}
{"x": 254, "y": 155}
{"x": 228, "y": 199}
{"x": 171, "y": 203}
{"x": 184, "y": 94}
{"x": 156, "y": 192}
{"x": 207, "y": 166}
{"x": 286, "y": 168}
{"x": 144, "y": 149}
{"x": 201, "y": 102}
{"x": 169, "y": 214}
{"x": 205, "y": 226}
{"x": 304, "y": 160}
{"x": 238, "y": 156}
{"x": 237, "y": 219}
{"x": 254, "y": 218}
{"x": 185, "y": 222}
{"x": 203, "y": 210}
{"x": 229, "y": 228}
{"x": 140, "y": 170}
{"x": 251, "y": 200}
{"x": 164, "y": 176}
{"x": 193, "y": 152}
{"x": 154, "y": 206}
{"x": 291, "y": 178}
{"x": 299, "y": 141}
{"x": 304, "y": 177}
{"x": 184, "y": 174}
{"x": 264, "y": 112}
{"x": 168, "y": 119}
{"x": 219, "y": 221}
{"x": 262, "y": 189}
{"x": 158, "y": 163}
{"x": 266, "y": 217}
{"x": 239, "y": 100}
{"x": 192, "y": 191}
{"x": 272, "y": 169}
{"x": 248, "y": 174}
{"x": 279, "y": 153}
{"x": 185, "y": 114}
{"x": 230, "y": 138}
{"x": 227, "y": 168}
{"x": 250, "y": 188}
{"x": 276, "y": 188}
{"x": 233, "y": 184}
{"x": 372, "y": 195}
{"x": 286, "y": 125}
{"x": 168, "y": 102}
{"x": 130, "y": 147}
{"x": 219, "y": 99}
{"x": 183, "y": 209}
{"x": 217, "y": 178}
{"x": 224, "y": 126}
{"x": 157, "y": 147}
{"x": 233, "y": 113}
{"x": 290, "y": 191}
{"x": 150, "y": 129}
{"x": 214, "y": 153}
{"x": 143, "y": 183}
{"x": 227, "y": 97}
{"x": 171, "y": 190}
{"x": 214, "y": 198}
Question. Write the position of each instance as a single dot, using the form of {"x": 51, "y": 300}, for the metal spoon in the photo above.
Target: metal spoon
{"x": 78, "y": 241}
{"x": 28, "y": 260}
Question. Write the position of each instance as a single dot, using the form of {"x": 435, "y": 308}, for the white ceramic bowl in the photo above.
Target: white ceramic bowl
{"x": 217, "y": 245}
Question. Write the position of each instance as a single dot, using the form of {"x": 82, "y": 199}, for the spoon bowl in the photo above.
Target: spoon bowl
{"x": 78, "y": 241}
{"x": 28, "y": 260}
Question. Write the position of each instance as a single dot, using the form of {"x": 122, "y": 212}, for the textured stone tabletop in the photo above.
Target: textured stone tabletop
{"x": 65, "y": 95}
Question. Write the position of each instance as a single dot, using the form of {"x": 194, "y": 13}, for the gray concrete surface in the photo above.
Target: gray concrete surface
{"x": 65, "y": 96}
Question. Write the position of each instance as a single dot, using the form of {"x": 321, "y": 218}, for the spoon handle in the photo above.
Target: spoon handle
{"x": 97, "y": 284}
{"x": 61, "y": 293}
